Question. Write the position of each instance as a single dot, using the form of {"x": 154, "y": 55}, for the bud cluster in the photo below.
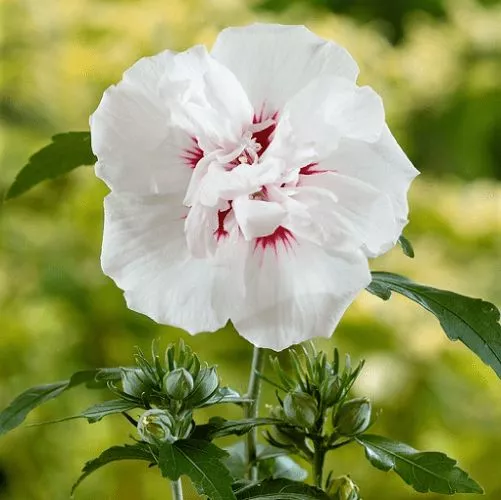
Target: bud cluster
{"x": 169, "y": 389}
{"x": 316, "y": 412}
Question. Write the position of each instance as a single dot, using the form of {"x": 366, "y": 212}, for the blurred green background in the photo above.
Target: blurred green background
{"x": 437, "y": 65}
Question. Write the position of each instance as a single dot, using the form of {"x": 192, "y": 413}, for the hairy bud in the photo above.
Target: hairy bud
{"x": 178, "y": 384}
{"x": 353, "y": 417}
{"x": 155, "y": 426}
{"x": 300, "y": 409}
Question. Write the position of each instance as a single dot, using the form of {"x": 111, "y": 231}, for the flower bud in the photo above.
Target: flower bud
{"x": 155, "y": 426}
{"x": 206, "y": 384}
{"x": 345, "y": 489}
{"x": 331, "y": 390}
{"x": 300, "y": 409}
{"x": 133, "y": 384}
{"x": 353, "y": 417}
{"x": 178, "y": 384}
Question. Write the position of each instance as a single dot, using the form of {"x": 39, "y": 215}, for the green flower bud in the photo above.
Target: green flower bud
{"x": 300, "y": 409}
{"x": 345, "y": 489}
{"x": 353, "y": 417}
{"x": 206, "y": 384}
{"x": 331, "y": 390}
{"x": 178, "y": 384}
{"x": 288, "y": 437}
{"x": 155, "y": 426}
{"x": 133, "y": 384}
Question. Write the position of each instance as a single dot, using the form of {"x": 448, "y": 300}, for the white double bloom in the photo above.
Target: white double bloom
{"x": 250, "y": 184}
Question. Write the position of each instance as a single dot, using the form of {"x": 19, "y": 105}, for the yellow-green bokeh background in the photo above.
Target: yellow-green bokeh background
{"x": 441, "y": 84}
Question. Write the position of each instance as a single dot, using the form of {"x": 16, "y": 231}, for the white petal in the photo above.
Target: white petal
{"x": 256, "y": 217}
{"x": 312, "y": 216}
{"x": 145, "y": 253}
{"x": 368, "y": 210}
{"x": 383, "y": 165}
{"x": 273, "y": 61}
{"x": 297, "y": 293}
{"x": 326, "y": 111}
{"x": 206, "y": 99}
{"x": 145, "y": 125}
{"x": 200, "y": 227}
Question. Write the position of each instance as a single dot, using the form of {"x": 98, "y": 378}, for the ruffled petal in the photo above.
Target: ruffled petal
{"x": 297, "y": 292}
{"x": 368, "y": 211}
{"x": 145, "y": 253}
{"x": 273, "y": 62}
{"x": 148, "y": 129}
{"x": 326, "y": 111}
{"x": 256, "y": 217}
{"x": 382, "y": 165}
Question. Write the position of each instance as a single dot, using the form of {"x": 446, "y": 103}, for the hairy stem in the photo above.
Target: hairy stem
{"x": 177, "y": 490}
{"x": 252, "y": 408}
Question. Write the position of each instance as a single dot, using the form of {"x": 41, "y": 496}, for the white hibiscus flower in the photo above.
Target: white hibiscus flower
{"x": 248, "y": 184}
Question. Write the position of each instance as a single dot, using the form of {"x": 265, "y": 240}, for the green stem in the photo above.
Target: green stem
{"x": 252, "y": 409}
{"x": 318, "y": 465}
{"x": 177, "y": 490}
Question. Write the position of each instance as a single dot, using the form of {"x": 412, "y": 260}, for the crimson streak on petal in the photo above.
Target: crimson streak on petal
{"x": 192, "y": 155}
{"x": 264, "y": 137}
{"x": 221, "y": 232}
{"x": 281, "y": 236}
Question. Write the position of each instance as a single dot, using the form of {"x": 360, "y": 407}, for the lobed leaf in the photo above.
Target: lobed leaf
{"x": 65, "y": 153}
{"x": 474, "y": 322}
{"x": 202, "y": 462}
{"x": 424, "y": 471}
{"x": 138, "y": 451}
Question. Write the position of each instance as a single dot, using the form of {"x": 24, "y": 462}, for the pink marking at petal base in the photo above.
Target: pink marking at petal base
{"x": 264, "y": 137}
{"x": 311, "y": 170}
{"x": 192, "y": 155}
{"x": 221, "y": 232}
{"x": 281, "y": 235}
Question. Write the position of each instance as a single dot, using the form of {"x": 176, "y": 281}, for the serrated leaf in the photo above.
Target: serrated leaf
{"x": 424, "y": 471}
{"x": 65, "y": 153}
{"x": 202, "y": 462}
{"x": 18, "y": 409}
{"x": 406, "y": 246}
{"x": 279, "y": 489}
{"x": 474, "y": 322}
{"x": 138, "y": 451}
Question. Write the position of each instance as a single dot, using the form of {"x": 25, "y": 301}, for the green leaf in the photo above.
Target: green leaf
{"x": 279, "y": 489}
{"x": 18, "y": 409}
{"x": 474, "y": 322}
{"x": 424, "y": 471}
{"x": 226, "y": 395}
{"x": 219, "y": 427}
{"x": 138, "y": 451}
{"x": 65, "y": 153}
{"x": 406, "y": 246}
{"x": 101, "y": 410}
{"x": 202, "y": 462}
{"x": 273, "y": 463}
